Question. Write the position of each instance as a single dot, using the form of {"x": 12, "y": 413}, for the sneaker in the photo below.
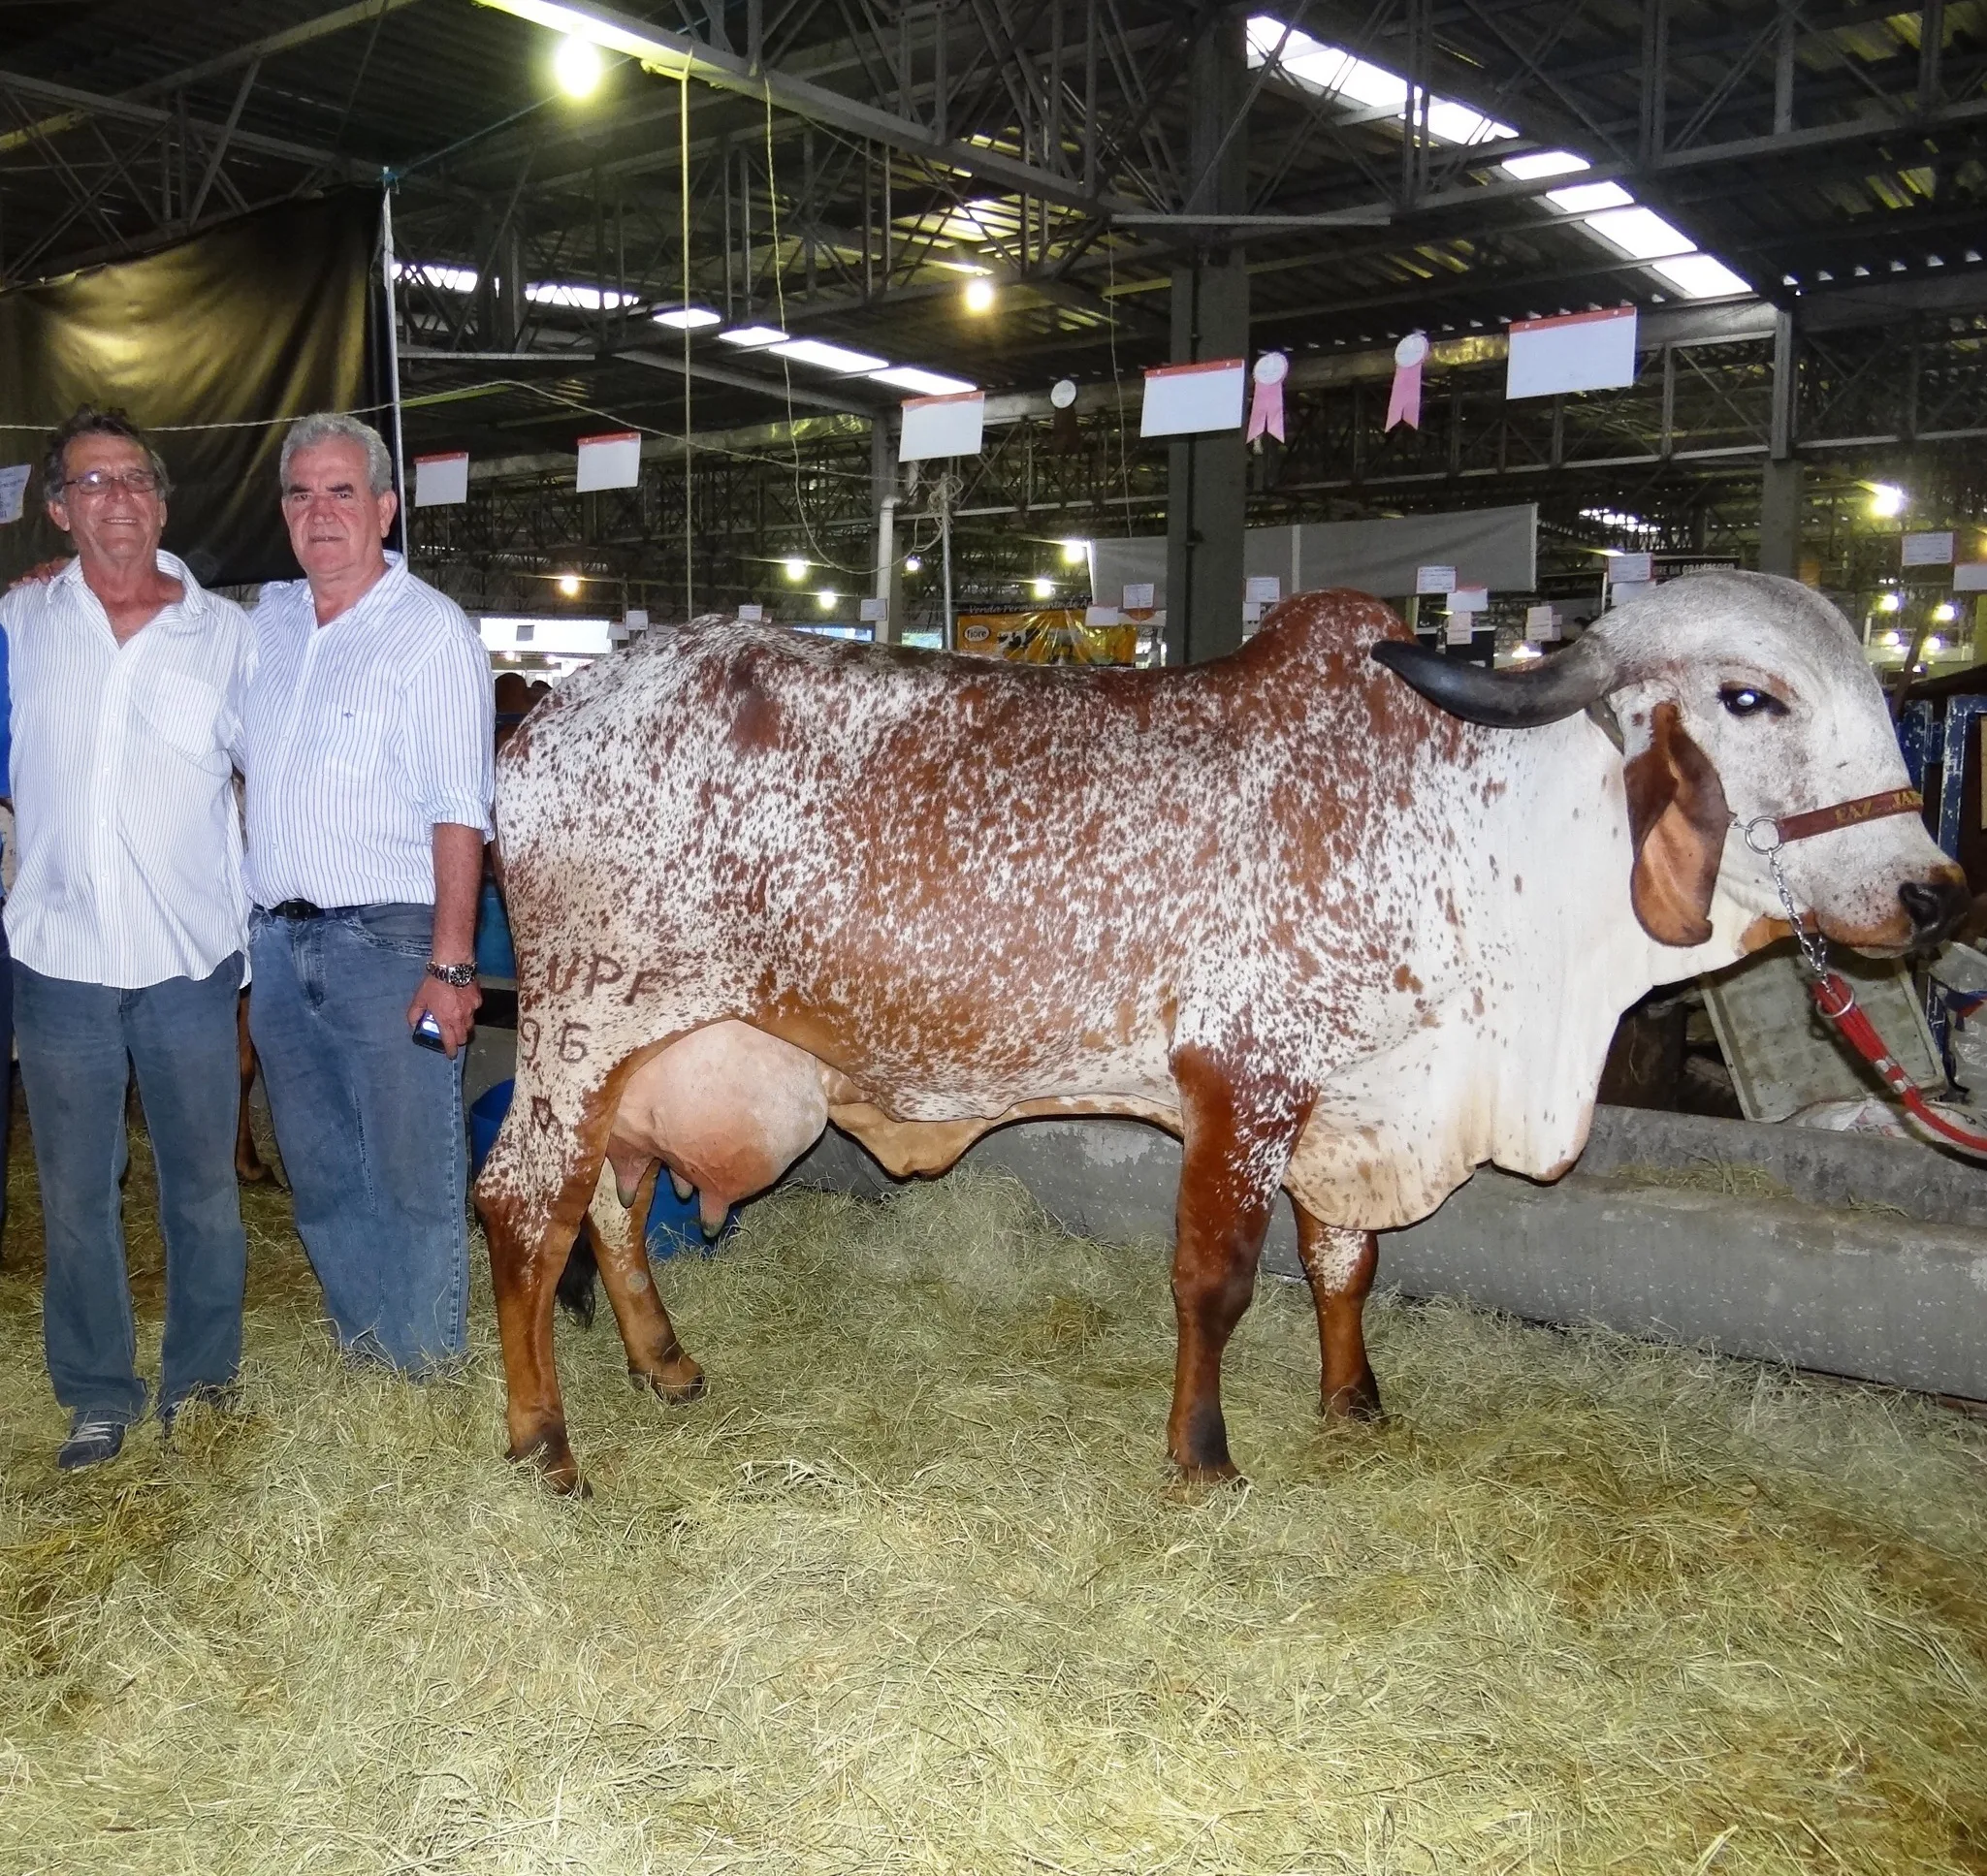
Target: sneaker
{"x": 93, "y": 1438}
{"x": 215, "y": 1396}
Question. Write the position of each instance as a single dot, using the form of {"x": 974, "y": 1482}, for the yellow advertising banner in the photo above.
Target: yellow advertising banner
{"x": 1053, "y": 635}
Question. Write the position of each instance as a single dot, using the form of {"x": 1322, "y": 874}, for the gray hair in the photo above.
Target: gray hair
{"x": 335, "y": 426}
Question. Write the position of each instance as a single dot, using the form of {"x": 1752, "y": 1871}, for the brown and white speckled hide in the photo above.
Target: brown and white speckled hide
{"x": 1344, "y": 944}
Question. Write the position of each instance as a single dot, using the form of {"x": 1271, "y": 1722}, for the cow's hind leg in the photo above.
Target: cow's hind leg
{"x": 1339, "y": 1265}
{"x": 529, "y": 1236}
{"x": 1237, "y": 1141}
{"x": 654, "y": 1357}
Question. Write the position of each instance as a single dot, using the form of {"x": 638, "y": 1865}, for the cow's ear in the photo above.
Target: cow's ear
{"x": 1677, "y": 819}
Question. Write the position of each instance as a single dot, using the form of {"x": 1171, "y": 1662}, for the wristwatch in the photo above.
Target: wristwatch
{"x": 458, "y": 976}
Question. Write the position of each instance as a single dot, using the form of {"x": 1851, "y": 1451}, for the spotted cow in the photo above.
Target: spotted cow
{"x": 1345, "y": 942}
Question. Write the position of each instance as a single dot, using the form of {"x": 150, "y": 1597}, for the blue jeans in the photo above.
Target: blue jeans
{"x": 370, "y": 1126}
{"x": 78, "y": 1044}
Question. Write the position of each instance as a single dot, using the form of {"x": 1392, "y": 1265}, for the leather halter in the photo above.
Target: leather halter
{"x": 1848, "y": 814}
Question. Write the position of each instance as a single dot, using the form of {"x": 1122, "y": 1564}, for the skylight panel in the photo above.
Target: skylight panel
{"x": 930, "y": 383}
{"x": 688, "y": 319}
{"x": 1641, "y": 233}
{"x": 1338, "y": 74}
{"x": 750, "y": 336}
{"x": 578, "y": 299}
{"x": 1456, "y": 123}
{"x": 1701, "y": 277}
{"x": 829, "y": 358}
{"x": 1583, "y": 198}
{"x": 438, "y": 274}
{"x": 1543, "y": 163}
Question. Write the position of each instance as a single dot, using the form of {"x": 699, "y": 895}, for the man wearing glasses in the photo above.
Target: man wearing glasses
{"x": 127, "y": 924}
{"x": 366, "y": 744}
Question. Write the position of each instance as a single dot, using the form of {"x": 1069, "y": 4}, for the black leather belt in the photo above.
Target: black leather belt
{"x": 298, "y": 909}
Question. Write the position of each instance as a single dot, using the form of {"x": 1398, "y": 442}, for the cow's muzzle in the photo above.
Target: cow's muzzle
{"x": 1934, "y": 907}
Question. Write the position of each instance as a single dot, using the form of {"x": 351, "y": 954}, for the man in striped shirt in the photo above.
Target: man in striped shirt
{"x": 126, "y": 924}
{"x": 367, "y": 746}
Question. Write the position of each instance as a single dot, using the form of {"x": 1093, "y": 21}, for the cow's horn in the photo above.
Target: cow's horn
{"x": 1555, "y": 687}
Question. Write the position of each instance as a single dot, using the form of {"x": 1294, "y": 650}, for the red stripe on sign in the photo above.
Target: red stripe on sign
{"x": 611, "y": 436}
{"x": 945, "y": 397}
{"x": 447, "y": 456}
{"x": 1572, "y": 319}
{"x": 1181, "y": 371}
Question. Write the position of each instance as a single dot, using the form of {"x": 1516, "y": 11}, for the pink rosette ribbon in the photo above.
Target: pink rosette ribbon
{"x": 1404, "y": 407}
{"x": 1265, "y": 408}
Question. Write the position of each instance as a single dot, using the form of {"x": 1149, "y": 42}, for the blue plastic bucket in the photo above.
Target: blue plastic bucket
{"x": 673, "y": 1224}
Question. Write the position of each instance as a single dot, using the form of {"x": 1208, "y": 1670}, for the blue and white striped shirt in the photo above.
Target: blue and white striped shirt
{"x": 124, "y": 784}
{"x": 357, "y": 737}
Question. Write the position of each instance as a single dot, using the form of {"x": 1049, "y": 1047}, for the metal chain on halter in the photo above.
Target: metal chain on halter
{"x": 1814, "y": 945}
{"x": 1837, "y": 1002}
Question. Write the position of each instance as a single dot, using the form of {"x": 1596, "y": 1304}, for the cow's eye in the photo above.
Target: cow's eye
{"x": 1746, "y": 700}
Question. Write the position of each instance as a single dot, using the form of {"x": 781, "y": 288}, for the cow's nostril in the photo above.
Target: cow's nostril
{"x": 1936, "y": 907}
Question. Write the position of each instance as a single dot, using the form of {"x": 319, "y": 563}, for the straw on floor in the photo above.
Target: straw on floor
{"x": 911, "y": 1590}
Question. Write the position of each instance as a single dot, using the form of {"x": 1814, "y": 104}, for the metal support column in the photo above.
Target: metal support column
{"x": 1208, "y": 476}
{"x": 889, "y": 567}
{"x": 1779, "y": 493}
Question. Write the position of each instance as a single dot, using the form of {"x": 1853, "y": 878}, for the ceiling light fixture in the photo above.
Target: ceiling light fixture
{"x": 1041, "y": 587}
{"x": 1076, "y": 553}
{"x": 1886, "y": 500}
{"x": 577, "y": 67}
{"x": 688, "y": 319}
{"x": 569, "y": 585}
{"x": 978, "y": 295}
{"x": 750, "y": 336}
{"x": 795, "y": 568}
{"x": 914, "y": 563}
{"x": 825, "y": 600}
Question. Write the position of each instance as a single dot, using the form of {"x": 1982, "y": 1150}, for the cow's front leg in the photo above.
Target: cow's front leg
{"x": 1237, "y": 1133}
{"x": 1339, "y": 1265}
{"x": 654, "y": 1357}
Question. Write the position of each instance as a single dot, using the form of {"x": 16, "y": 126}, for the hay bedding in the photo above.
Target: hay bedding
{"x": 911, "y": 1591}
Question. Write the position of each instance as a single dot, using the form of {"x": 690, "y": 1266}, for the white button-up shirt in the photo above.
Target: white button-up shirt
{"x": 359, "y": 736}
{"x": 129, "y": 838}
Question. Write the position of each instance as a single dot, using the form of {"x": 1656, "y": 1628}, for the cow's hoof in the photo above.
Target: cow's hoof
{"x": 1191, "y": 1483}
{"x": 551, "y": 1457}
{"x": 1359, "y": 1401}
{"x": 675, "y": 1386}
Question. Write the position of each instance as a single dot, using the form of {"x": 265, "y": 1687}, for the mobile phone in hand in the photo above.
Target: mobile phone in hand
{"x": 427, "y": 1034}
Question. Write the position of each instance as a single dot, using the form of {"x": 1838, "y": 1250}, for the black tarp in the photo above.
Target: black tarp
{"x": 258, "y": 321}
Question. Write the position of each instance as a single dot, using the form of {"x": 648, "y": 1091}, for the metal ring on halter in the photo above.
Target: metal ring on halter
{"x": 1767, "y": 821}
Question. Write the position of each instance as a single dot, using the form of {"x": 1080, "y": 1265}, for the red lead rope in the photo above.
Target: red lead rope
{"x": 1837, "y": 1002}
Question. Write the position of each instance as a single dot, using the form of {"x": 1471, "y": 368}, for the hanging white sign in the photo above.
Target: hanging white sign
{"x": 441, "y": 481}
{"x": 1632, "y": 569}
{"x": 1435, "y": 579}
{"x": 1589, "y": 351}
{"x": 13, "y": 479}
{"x": 1138, "y": 597}
{"x": 948, "y": 426}
{"x": 1927, "y": 550}
{"x": 1189, "y": 400}
{"x": 610, "y": 462}
{"x": 1462, "y": 628}
{"x": 1263, "y": 588}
